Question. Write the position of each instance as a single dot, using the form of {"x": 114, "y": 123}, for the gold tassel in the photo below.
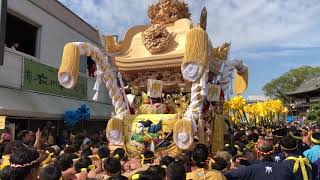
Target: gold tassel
{"x": 196, "y": 47}
{"x": 115, "y": 124}
{"x": 69, "y": 68}
{"x": 180, "y": 127}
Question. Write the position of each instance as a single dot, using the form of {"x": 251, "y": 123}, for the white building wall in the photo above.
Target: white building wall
{"x": 53, "y": 33}
{"x": 10, "y": 71}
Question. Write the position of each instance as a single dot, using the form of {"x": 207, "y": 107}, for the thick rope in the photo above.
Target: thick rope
{"x": 198, "y": 93}
{"x": 104, "y": 74}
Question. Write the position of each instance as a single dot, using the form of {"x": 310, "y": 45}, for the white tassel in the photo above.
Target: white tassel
{"x": 96, "y": 86}
{"x": 152, "y": 147}
{"x": 98, "y": 74}
{"x": 95, "y": 97}
{"x": 123, "y": 91}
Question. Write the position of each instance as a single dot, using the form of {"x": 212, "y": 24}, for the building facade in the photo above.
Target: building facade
{"x": 307, "y": 94}
{"x": 256, "y": 98}
{"x": 30, "y": 95}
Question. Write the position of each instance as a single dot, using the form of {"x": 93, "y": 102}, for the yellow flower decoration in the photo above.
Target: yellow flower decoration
{"x": 276, "y": 106}
{"x": 237, "y": 103}
{"x": 285, "y": 110}
{"x": 239, "y": 109}
{"x": 226, "y": 107}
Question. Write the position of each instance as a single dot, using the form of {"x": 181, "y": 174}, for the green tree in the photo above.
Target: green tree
{"x": 289, "y": 81}
{"x": 314, "y": 113}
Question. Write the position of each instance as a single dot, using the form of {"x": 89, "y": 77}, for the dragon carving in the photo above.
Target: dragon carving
{"x": 111, "y": 46}
{"x": 168, "y": 11}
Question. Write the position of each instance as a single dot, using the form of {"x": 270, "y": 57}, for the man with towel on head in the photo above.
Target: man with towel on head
{"x": 266, "y": 169}
{"x": 313, "y": 154}
{"x": 300, "y": 166}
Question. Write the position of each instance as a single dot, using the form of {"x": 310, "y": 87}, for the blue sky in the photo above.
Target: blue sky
{"x": 271, "y": 36}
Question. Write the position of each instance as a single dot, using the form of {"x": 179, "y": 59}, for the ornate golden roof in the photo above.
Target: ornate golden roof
{"x": 135, "y": 56}
{"x": 149, "y": 49}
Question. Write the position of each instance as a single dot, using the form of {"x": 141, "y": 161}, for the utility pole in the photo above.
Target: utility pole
{"x": 3, "y": 21}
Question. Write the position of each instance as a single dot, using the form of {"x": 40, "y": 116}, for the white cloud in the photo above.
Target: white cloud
{"x": 269, "y": 54}
{"x": 111, "y": 16}
{"x": 247, "y": 23}
{"x": 295, "y": 64}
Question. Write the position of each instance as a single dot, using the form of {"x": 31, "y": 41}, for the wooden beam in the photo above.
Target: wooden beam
{"x": 203, "y": 18}
{"x": 3, "y": 20}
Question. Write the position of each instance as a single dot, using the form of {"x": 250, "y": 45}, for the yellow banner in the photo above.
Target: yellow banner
{"x": 214, "y": 92}
{"x": 2, "y": 122}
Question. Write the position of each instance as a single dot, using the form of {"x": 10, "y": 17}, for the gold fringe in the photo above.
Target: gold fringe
{"x": 172, "y": 150}
{"x": 196, "y": 47}
{"x": 134, "y": 151}
{"x": 69, "y": 66}
{"x": 183, "y": 125}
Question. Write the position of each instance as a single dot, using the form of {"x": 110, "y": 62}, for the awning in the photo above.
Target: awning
{"x": 21, "y": 103}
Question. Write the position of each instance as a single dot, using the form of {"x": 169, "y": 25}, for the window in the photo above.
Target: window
{"x": 3, "y": 17}
{"x": 21, "y": 35}
{"x": 87, "y": 66}
{"x": 91, "y": 67}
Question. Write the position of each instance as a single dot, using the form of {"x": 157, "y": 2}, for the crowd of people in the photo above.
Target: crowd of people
{"x": 284, "y": 152}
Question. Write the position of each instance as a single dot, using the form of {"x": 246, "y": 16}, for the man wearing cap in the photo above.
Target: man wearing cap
{"x": 25, "y": 138}
{"x": 298, "y": 136}
{"x": 266, "y": 169}
{"x": 300, "y": 166}
{"x": 278, "y": 156}
{"x": 313, "y": 154}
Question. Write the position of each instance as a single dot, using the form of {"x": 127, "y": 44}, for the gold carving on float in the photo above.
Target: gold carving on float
{"x": 168, "y": 11}
{"x": 171, "y": 79}
{"x": 168, "y": 100}
{"x": 172, "y": 104}
{"x": 156, "y": 38}
{"x": 221, "y": 53}
{"x": 182, "y": 104}
{"x": 145, "y": 98}
{"x": 110, "y": 44}
{"x": 152, "y": 109}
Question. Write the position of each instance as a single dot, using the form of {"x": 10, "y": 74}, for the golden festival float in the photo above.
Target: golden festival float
{"x": 176, "y": 82}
